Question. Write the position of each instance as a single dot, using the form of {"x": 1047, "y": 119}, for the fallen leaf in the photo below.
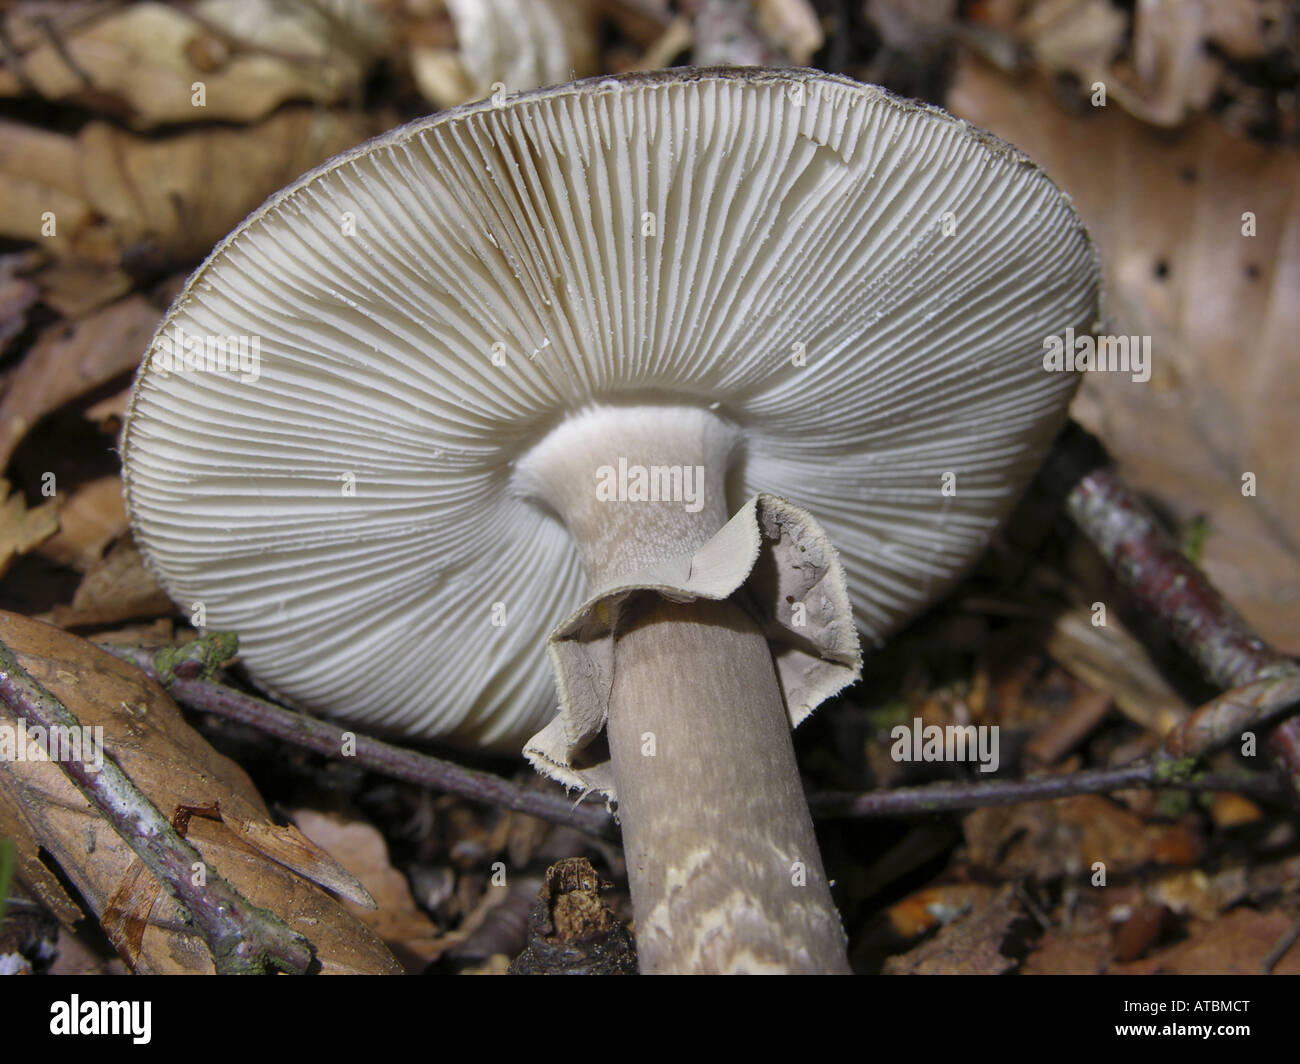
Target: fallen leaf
{"x": 22, "y": 529}
{"x": 1174, "y": 75}
{"x": 92, "y": 517}
{"x": 361, "y": 849}
{"x": 1061, "y": 953}
{"x": 1233, "y": 810}
{"x": 1235, "y": 944}
{"x": 17, "y": 294}
{"x": 1213, "y": 429}
{"x": 109, "y": 199}
{"x": 107, "y": 414}
{"x": 1081, "y": 37}
{"x": 969, "y": 945}
{"x": 1109, "y": 659}
{"x": 152, "y": 634}
{"x": 40, "y": 186}
{"x": 75, "y": 289}
{"x": 71, "y": 359}
{"x": 932, "y": 907}
{"x": 1142, "y": 927}
{"x": 793, "y": 26}
{"x": 117, "y": 588}
{"x": 517, "y": 44}
{"x": 144, "y": 62}
{"x": 1044, "y": 841}
{"x": 174, "y": 767}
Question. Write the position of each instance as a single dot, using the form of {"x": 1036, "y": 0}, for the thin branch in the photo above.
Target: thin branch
{"x": 186, "y": 672}
{"x": 1280, "y": 949}
{"x": 1166, "y": 584}
{"x": 948, "y": 797}
{"x": 243, "y": 938}
{"x": 1221, "y": 720}
{"x": 1173, "y": 767}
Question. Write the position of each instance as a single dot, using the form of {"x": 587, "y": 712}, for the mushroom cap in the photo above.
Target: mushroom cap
{"x": 861, "y": 284}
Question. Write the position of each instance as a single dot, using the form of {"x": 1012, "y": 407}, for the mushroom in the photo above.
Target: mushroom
{"x": 546, "y": 371}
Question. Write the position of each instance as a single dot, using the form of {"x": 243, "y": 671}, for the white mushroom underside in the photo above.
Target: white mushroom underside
{"x": 668, "y": 239}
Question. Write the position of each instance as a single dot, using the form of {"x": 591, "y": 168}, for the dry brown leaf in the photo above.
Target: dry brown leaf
{"x": 117, "y": 588}
{"x": 361, "y": 849}
{"x": 22, "y": 529}
{"x": 146, "y": 61}
{"x": 107, "y": 414}
{"x": 1167, "y": 215}
{"x": 1078, "y": 36}
{"x": 1230, "y": 810}
{"x": 40, "y": 186}
{"x": 109, "y": 198}
{"x": 1190, "y": 890}
{"x": 793, "y": 26}
{"x": 1155, "y": 63}
{"x": 17, "y": 294}
{"x": 933, "y": 907}
{"x": 291, "y": 848}
{"x": 176, "y": 769}
{"x": 74, "y": 289}
{"x": 1059, "y": 953}
{"x": 1045, "y": 841}
{"x": 71, "y": 359}
{"x": 677, "y": 38}
{"x": 1174, "y": 75}
{"x": 152, "y": 634}
{"x": 518, "y": 44}
{"x": 89, "y": 520}
{"x": 1235, "y": 944}
{"x": 1109, "y": 659}
{"x": 969, "y": 945}
{"x": 1237, "y": 26}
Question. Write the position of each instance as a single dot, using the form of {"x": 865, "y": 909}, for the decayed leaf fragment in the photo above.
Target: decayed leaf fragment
{"x": 143, "y": 731}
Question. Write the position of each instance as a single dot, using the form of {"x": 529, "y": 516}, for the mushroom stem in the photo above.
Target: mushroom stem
{"x": 721, "y": 856}
{"x": 722, "y": 860}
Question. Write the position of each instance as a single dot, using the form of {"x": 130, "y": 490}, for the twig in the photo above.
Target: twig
{"x": 243, "y": 938}
{"x": 1173, "y": 766}
{"x": 1226, "y": 717}
{"x": 186, "y": 672}
{"x": 190, "y": 666}
{"x": 949, "y": 797}
{"x": 1166, "y": 584}
{"x": 1280, "y": 949}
